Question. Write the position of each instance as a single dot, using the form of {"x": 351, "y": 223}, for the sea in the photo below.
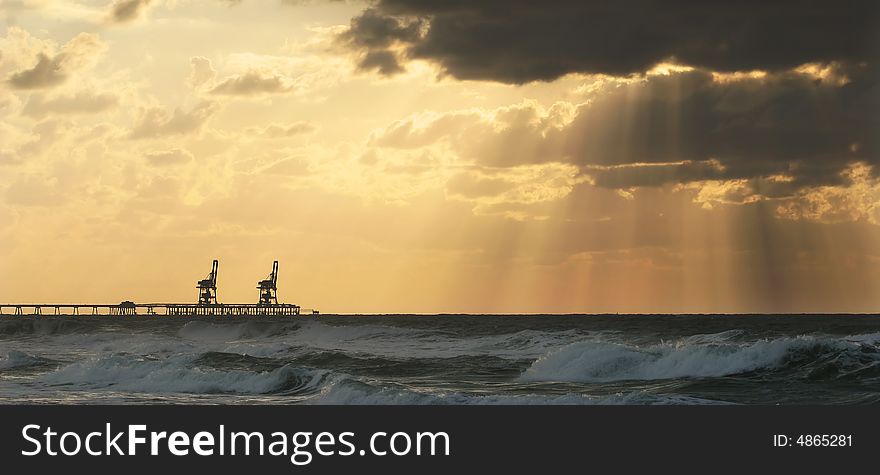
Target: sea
{"x": 441, "y": 359}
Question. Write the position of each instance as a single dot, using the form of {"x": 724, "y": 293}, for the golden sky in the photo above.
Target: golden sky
{"x": 401, "y": 156}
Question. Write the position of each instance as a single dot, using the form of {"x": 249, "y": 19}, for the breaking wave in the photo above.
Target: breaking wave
{"x": 597, "y": 361}
{"x": 18, "y": 359}
{"x": 180, "y": 375}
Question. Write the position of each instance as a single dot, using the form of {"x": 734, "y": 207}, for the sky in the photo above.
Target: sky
{"x": 443, "y": 156}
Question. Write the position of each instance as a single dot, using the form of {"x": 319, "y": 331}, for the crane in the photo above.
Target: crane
{"x": 269, "y": 287}
{"x": 208, "y": 287}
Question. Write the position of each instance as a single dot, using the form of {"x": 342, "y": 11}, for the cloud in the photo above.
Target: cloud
{"x": 375, "y": 34}
{"x": 676, "y": 128}
{"x": 858, "y": 200}
{"x": 654, "y": 174}
{"x": 53, "y": 69}
{"x": 157, "y": 121}
{"x": 512, "y": 191}
{"x": 516, "y": 134}
{"x": 791, "y": 139}
{"x": 374, "y": 30}
{"x": 252, "y": 83}
{"x": 383, "y": 61}
{"x": 82, "y": 102}
{"x": 9, "y": 157}
{"x": 782, "y": 124}
{"x": 710, "y": 193}
{"x": 471, "y": 186}
{"x": 201, "y": 71}
{"x": 21, "y": 49}
{"x": 176, "y": 156}
{"x": 124, "y": 11}
{"x": 304, "y": 71}
{"x": 277, "y": 131}
{"x": 47, "y": 72}
{"x": 32, "y": 190}
{"x": 288, "y": 167}
{"x": 517, "y": 41}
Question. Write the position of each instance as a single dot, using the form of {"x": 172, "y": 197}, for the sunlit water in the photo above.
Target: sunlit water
{"x": 833, "y": 359}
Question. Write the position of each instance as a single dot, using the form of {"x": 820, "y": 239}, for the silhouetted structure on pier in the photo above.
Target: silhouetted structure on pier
{"x": 208, "y": 287}
{"x": 269, "y": 287}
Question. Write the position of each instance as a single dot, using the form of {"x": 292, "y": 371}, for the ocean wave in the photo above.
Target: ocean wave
{"x": 597, "y": 361}
{"x": 18, "y": 359}
{"x": 217, "y": 373}
{"x": 181, "y": 375}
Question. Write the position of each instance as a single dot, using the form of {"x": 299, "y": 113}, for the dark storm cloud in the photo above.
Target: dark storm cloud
{"x": 788, "y": 123}
{"x": 373, "y": 30}
{"x": 517, "y": 41}
{"x": 373, "y": 33}
{"x": 383, "y": 61}
{"x": 656, "y": 175}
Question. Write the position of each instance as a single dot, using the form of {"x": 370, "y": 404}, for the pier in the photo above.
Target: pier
{"x": 267, "y": 304}
{"x": 169, "y": 309}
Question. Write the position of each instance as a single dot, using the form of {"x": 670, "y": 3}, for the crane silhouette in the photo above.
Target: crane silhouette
{"x": 269, "y": 287}
{"x": 208, "y": 287}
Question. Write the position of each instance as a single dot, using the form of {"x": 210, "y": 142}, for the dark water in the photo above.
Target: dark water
{"x": 584, "y": 359}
